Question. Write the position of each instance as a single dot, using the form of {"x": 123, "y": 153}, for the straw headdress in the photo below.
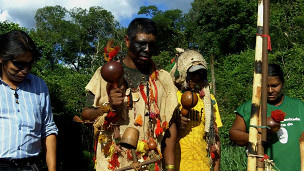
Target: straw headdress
{"x": 184, "y": 61}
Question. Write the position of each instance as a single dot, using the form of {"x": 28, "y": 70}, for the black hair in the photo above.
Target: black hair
{"x": 15, "y": 43}
{"x": 141, "y": 25}
{"x": 275, "y": 70}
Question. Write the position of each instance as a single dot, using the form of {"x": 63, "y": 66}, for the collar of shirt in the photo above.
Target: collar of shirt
{"x": 27, "y": 79}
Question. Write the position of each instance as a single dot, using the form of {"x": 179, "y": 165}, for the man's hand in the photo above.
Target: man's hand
{"x": 180, "y": 121}
{"x": 183, "y": 121}
{"x": 116, "y": 96}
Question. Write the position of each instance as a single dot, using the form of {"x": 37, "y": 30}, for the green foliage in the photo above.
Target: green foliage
{"x": 222, "y": 27}
{"x": 66, "y": 87}
{"x": 292, "y": 61}
{"x": 163, "y": 60}
{"x": 286, "y": 24}
{"x": 234, "y": 78}
{"x": 151, "y": 10}
{"x": 87, "y": 159}
{"x": 8, "y": 26}
{"x": 72, "y": 42}
{"x": 233, "y": 159}
{"x": 76, "y": 37}
{"x": 170, "y": 25}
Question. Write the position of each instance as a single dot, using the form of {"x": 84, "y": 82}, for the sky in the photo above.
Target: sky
{"x": 23, "y": 11}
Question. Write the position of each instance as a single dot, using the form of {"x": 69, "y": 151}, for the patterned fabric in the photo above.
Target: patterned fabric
{"x": 25, "y": 118}
{"x": 191, "y": 149}
{"x": 166, "y": 103}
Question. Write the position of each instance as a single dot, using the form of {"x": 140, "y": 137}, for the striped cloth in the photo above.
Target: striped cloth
{"x": 25, "y": 118}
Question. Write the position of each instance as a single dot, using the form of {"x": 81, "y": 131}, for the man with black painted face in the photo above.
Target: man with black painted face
{"x": 141, "y": 47}
{"x": 145, "y": 99}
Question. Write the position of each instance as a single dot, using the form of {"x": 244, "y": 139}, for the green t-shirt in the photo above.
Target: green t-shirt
{"x": 283, "y": 147}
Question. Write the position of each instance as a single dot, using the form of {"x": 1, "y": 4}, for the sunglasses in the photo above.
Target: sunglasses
{"x": 21, "y": 64}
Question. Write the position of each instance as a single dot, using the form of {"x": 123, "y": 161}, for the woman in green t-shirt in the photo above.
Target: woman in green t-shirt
{"x": 282, "y": 146}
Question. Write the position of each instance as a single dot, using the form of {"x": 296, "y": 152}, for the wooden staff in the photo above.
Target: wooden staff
{"x": 263, "y": 114}
{"x": 302, "y": 150}
{"x": 147, "y": 162}
{"x": 256, "y": 93}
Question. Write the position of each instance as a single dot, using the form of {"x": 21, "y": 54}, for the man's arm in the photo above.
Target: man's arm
{"x": 49, "y": 144}
{"x": 217, "y": 160}
{"x": 90, "y": 113}
{"x": 169, "y": 146}
{"x": 238, "y": 132}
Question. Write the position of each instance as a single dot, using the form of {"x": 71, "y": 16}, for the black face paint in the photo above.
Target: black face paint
{"x": 141, "y": 49}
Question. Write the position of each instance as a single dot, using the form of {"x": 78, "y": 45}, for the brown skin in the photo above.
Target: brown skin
{"x": 275, "y": 91}
{"x": 217, "y": 161}
{"x": 116, "y": 98}
{"x": 13, "y": 76}
{"x": 238, "y": 132}
{"x": 90, "y": 114}
{"x": 275, "y": 97}
{"x": 49, "y": 143}
{"x": 170, "y": 140}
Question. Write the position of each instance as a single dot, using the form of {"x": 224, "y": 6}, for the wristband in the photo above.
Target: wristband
{"x": 170, "y": 166}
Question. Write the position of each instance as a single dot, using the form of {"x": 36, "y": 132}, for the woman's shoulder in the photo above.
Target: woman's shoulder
{"x": 244, "y": 108}
{"x": 294, "y": 100}
{"x": 246, "y": 103}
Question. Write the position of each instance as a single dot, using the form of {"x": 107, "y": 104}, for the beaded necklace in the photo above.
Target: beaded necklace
{"x": 138, "y": 81}
{"x": 134, "y": 78}
{"x": 146, "y": 85}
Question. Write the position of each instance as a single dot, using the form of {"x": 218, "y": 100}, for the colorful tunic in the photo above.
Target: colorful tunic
{"x": 191, "y": 149}
{"x": 162, "y": 100}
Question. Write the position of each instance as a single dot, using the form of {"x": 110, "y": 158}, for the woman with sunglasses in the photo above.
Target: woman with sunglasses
{"x": 26, "y": 119}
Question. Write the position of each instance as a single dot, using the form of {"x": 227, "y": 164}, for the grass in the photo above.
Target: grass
{"x": 233, "y": 158}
